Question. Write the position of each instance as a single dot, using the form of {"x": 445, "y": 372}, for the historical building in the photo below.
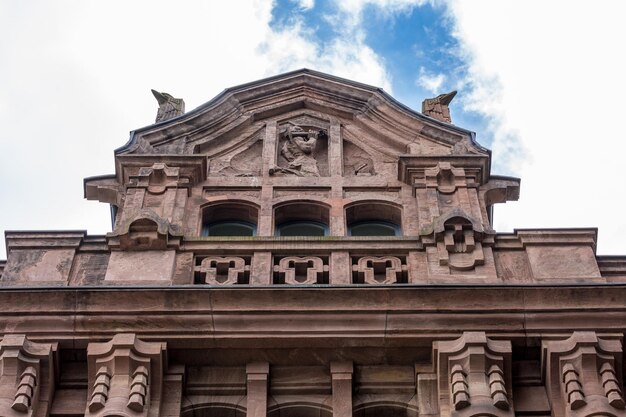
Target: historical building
{"x": 306, "y": 246}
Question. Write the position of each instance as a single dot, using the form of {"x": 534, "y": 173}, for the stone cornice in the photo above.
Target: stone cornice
{"x": 311, "y": 315}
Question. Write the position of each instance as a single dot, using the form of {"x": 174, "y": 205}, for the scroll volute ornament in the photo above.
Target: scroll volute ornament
{"x": 581, "y": 375}
{"x": 26, "y": 375}
{"x": 474, "y": 376}
{"x": 125, "y": 376}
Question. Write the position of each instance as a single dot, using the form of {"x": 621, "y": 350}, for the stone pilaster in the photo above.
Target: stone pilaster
{"x": 257, "y": 381}
{"x": 341, "y": 373}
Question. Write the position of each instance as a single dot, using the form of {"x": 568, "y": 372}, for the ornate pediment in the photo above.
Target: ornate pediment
{"x": 236, "y": 122}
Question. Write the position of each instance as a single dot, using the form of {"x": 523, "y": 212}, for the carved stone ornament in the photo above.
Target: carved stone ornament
{"x": 581, "y": 375}
{"x": 298, "y": 149}
{"x": 157, "y": 178}
{"x": 300, "y": 270}
{"x": 445, "y": 178}
{"x": 437, "y": 107}
{"x": 474, "y": 374}
{"x": 379, "y": 270}
{"x": 26, "y": 376}
{"x": 169, "y": 107}
{"x": 125, "y": 376}
{"x": 145, "y": 231}
{"x": 459, "y": 239}
{"x": 223, "y": 270}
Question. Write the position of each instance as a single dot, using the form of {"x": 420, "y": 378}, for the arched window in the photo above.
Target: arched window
{"x": 373, "y": 218}
{"x": 229, "y": 219}
{"x": 302, "y": 228}
{"x": 301, "y": 219}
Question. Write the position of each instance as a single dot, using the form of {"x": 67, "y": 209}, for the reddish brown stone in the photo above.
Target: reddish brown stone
{"x": 402, "y": 301}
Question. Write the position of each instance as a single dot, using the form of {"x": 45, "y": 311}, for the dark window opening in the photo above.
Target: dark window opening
{"x": 302, "y": 228}
{"x": 229, "y": 219}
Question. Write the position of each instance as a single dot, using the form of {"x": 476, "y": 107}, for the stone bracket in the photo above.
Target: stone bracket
{"x": 580, "y": 375}
{"x": 474, "y": 376}
{"x": 26, "y": 376}
{"x": 125, "y": 376}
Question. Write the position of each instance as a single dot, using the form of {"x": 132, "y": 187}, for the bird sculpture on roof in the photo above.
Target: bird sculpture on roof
{"x": 437, "y": 107}
{"x": 169, "y": 107}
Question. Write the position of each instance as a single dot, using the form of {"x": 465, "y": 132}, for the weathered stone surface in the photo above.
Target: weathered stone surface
{"x": 400, "y": 300}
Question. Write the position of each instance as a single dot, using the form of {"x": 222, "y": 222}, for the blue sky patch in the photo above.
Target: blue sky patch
{"x": 412, "y": 42}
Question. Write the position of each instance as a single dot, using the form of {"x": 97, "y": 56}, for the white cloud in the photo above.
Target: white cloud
{"x": 431, "y": 82}
{"x": 76, "y": 77}
{"x": 306, "y": 4}
{"x": 551, "y": 84}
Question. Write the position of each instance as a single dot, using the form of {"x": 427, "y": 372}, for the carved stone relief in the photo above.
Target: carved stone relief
{"x": 222, "y": 270}
{"x": 301, "y": 270}
{"x": 356, "y": 161}
{"x": 303, "y": 152}
{"x": 157, "y": 178}
{"x": 379, "y": 270}
{"x": 145, "y": 231}
{"x": 437, "y": 107}
{"x": 169, "y": 107}
{"x": 245, "y": 163}
{"x": 459, "y": 241}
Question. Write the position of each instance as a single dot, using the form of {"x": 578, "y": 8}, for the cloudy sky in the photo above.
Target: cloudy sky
{"x": 542, "y": 82}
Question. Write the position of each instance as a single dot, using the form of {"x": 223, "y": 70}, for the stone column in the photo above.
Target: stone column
{"x": 257, "y": 379}
{"x": 342, "y": 388}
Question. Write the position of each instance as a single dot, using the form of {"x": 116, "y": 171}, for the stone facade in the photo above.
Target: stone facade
{"x": 305, "y": 245}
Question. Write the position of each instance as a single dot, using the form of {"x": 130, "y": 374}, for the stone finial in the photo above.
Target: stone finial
{"x": 437, "y": 107}
{"x": 169, "y": 107}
